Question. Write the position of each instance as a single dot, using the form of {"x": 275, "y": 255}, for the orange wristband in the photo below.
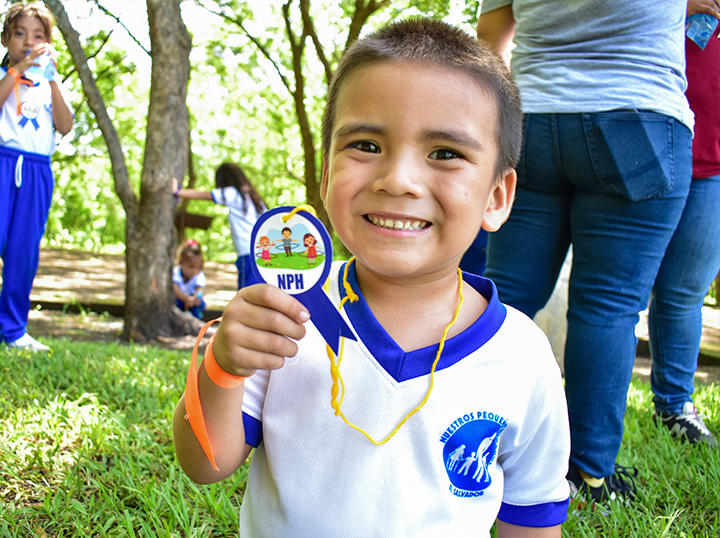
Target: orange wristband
{"x": 15, "y": 74}
{"x": 219, "y": 376}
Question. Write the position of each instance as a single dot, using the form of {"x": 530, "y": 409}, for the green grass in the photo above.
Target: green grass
{"x": 86, "y": 450}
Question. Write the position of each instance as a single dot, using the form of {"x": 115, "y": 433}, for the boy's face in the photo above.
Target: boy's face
{"x": 409, "y": 178}
{"x": 286, "y": 234}
{"x": 24, "y": 36}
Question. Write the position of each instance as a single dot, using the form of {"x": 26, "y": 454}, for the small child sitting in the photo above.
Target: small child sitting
{"x": 448, "y": 411}
{"x": 189, "y": 280}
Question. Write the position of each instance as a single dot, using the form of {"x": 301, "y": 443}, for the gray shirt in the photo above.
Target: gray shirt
{"x": 575, "y": 56}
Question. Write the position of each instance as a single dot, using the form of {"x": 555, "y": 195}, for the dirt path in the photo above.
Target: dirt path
{"x": 97, "y": 281}
{"x": 67, "y": 277}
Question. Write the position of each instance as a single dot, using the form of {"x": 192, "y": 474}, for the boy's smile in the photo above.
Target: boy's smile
{"x": 410, "y": 170}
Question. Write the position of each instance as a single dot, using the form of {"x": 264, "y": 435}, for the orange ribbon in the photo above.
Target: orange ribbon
{"x": 16, "y": 88}
{"x": 193, "y": 407}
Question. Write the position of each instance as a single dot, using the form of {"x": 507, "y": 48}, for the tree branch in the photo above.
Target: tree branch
{"x": 309, "y": 29}
{"x": 97, "y": 105}
{"x": 117, "y": 19}
{"x": 263, "y": 50}
{"x": 362, "y": 13}
{"x": 93, "y": 55}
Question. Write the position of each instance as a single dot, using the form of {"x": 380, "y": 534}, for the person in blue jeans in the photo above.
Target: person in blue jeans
{"x": 605, "y": 167}
{"x": 693, "y": 258}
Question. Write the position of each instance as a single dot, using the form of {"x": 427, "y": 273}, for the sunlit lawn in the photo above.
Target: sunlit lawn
{"x": 86, "y": 450}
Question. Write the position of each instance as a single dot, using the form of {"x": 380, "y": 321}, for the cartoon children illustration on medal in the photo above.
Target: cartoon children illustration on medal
{"x": 287, "y": 241}
{"x": 311, "y": 251}
{"x": 264, "y": 245}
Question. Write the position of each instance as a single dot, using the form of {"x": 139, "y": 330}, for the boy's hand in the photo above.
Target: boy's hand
{"x": 49, "y": 70}
{"x": 31, "y": 58}
{"x": 256, "y": 330}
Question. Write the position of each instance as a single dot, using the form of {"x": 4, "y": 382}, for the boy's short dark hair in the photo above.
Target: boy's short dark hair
{"x": 36, "y": 10}
{"x": 432, "y": 41}
{"x": 286, "y": 229}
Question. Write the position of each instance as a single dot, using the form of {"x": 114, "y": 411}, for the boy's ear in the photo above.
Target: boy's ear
{"x": 500, "y": 202}
{"x": 324, "y": 183}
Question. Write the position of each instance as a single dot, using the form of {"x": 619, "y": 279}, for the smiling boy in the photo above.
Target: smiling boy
{"x": 459, "y": 398}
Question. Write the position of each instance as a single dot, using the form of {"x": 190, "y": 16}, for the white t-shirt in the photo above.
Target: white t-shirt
{"x": 241, "y": 222}
{"x": 188, "y": 286}
{"x": 33, "y": 130}
{"x": 492, "y": 438}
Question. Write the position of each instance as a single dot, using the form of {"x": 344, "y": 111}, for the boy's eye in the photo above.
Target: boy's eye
{"x": 366, "y": 146}
{"x": 445, "y": 154}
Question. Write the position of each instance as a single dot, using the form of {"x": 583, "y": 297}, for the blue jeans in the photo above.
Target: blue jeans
{"x": 613, "y": 184}
{"x": 473, "y": 261}
{"x": 675, "y": 317}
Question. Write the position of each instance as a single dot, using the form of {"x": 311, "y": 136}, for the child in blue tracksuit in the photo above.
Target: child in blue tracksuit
{"x": 31, "y": 112}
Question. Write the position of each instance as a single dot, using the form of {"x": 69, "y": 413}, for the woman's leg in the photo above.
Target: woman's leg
{"x": 690, "y": 264}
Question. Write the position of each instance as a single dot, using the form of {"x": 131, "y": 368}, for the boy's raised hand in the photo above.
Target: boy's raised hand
{"x": 257, "y": 328}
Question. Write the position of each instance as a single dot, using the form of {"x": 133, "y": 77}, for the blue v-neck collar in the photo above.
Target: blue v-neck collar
{"x": 403, "y": 366}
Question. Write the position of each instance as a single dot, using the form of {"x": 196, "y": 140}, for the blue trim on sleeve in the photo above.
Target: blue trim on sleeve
{"x": 536, "y": 515}
{"x": 403, "y": 366}
{"x": 253, "y": 430}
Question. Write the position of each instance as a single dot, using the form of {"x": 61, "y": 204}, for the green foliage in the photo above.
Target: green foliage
{"x": 241, "y": 110}
{"x": 86, "y": 450}
{"x": 86, "y": 212}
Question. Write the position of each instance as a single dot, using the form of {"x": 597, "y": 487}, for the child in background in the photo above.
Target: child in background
{"x": 31, "y": 113}
{"x": 189, "y": 280}
{"x": 420, "y": 135}
{"x": 245, "y": 205}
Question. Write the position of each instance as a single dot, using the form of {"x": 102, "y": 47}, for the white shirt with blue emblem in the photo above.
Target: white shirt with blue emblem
{"x": 33, "y": 129}
{"x": 492, "y": 440}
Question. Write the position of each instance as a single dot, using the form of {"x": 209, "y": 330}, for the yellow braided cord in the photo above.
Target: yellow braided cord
{"x": 349, "y": 292}
{"x": 310, "y": 209}
{"x": 338, "y": 383}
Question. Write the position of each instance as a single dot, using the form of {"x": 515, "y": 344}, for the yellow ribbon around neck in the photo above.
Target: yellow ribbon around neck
{"x": 338, "y": 386}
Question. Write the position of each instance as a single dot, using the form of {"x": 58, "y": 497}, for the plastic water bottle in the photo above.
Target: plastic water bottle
{"x": 700, "y": 28}
{"x": 45, "y": 70}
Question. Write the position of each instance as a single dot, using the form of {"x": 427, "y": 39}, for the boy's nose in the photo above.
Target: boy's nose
{"x": 400, "y": 176}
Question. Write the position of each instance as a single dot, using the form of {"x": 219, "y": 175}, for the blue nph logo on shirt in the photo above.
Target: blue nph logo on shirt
{"x": 470, "y": 448}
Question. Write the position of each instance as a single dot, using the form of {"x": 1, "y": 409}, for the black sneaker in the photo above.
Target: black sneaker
{"x": 688, "y": 425}
{"x": 618, "y": 486}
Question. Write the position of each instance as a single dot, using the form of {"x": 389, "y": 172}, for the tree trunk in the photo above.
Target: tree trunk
{"x": 150, "y": 242}
{"x": 149, "y": 230}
